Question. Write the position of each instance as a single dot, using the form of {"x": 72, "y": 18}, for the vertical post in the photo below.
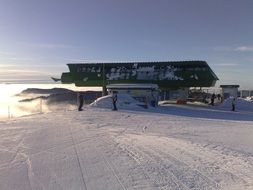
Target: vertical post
{"x": 104, "y": 87}
{"x": 9, "y": 114}
{"x": 40, "y": 105}
{"x": 104, "y": 91}
{"x": 77, "y": 101}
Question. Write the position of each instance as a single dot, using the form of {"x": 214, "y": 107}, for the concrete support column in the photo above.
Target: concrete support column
{"x": 104, "y": 91}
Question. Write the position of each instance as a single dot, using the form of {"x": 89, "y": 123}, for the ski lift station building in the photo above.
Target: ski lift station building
{"x": 167, "y": 75}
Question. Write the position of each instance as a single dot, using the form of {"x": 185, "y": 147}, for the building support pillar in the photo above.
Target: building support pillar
{"x": 104, "y": 91}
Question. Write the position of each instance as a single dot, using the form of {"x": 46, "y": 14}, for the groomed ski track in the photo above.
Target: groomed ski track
{"x": 102, "y": 149}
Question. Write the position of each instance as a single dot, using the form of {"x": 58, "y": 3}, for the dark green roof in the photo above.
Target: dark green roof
{"x": 167, "y": 74}
{"x": 230, "y": 86}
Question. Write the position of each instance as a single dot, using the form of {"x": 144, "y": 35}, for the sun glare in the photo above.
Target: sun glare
{"x": 9, "y": 102}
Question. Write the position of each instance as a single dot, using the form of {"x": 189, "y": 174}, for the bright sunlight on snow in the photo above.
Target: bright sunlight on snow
{"x": 170, "y": 147}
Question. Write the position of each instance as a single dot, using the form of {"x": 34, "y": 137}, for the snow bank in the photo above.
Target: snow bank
{"x": 241, "y": 104}
{"x": 125, "y": 101}
{"x": 249, "y": 98}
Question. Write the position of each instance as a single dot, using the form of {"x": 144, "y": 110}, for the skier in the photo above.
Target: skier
{"x": 80, "y": 97}
{"x": 233, "y": 104}
{"x": 212, "y": 99}
{"x": 114, "y": 101}
{"x": 219, "y": 97}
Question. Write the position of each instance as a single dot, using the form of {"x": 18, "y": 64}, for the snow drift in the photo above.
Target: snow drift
{"x": 125, "y": 101}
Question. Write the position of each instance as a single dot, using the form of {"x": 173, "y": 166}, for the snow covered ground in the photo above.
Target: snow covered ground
{"x": 124, "y": 101}
{"x": 170, "y": 147}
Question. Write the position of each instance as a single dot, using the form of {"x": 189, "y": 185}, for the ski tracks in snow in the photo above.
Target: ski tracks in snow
{"x": 190, "y": 166}
{"x": 96, "y": 150}
{"x": 154, "y": 161}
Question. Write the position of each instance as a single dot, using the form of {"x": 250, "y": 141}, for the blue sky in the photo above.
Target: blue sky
{"x": 38, "y": 37}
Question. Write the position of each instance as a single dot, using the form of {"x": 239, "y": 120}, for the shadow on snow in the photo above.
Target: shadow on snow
{"x": 201, "y": 112}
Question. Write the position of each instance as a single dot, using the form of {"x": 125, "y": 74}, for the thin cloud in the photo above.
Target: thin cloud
{"x": 6, "y": 65}
{"x": 21, "y": 72}
{"x": 16, "y": 58}
{"x": 5, "y": 53}
{"x": 233, "y": 49}
{"x": 244, "y": 49}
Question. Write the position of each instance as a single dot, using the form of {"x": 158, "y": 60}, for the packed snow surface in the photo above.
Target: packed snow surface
{"x": 170, "y": 147}
{"x": 241, "y": 104}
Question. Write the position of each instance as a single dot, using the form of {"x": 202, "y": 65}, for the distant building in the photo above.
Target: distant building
{"x": 245, "y": 93}
{"x": 229, "y": 91}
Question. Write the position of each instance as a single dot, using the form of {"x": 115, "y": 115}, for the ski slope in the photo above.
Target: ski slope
{"x": 171, "y": 147}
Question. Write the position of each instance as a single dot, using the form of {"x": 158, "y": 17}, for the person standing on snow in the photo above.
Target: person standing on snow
{"x": 80, "y": 98}
{"x": 212, "y": 99}
{"x": 219, "y": 97}
{"x": 114, "y": 101}
{"x": 233, "y": 104}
